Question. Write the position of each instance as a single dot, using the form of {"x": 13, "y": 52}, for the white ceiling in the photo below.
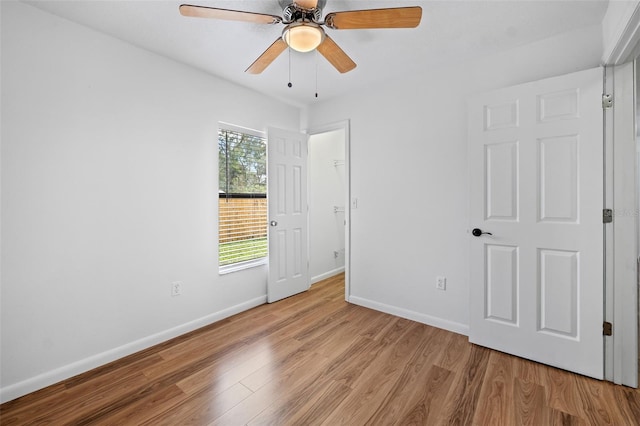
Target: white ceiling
{"x": 450, "y": 31}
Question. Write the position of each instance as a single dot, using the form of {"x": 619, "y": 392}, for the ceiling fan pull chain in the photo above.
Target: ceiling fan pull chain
{"x": 316, "y": 73}
{"x": 289, "y": 84}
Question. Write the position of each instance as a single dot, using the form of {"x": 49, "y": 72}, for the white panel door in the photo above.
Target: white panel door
{"x": 536, "y": 193}
{"x": 288, "y": 230}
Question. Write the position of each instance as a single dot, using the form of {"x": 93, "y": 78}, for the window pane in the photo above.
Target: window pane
{"x": 242, "y": 197}
{"x": 242, "y": 163}
{"x": 243, "y": 229}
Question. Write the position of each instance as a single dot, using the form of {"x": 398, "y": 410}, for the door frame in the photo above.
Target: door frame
{"x": 346, "y": 126}
{"x": 621, "y": 306}
{"x": 621, "y": 251}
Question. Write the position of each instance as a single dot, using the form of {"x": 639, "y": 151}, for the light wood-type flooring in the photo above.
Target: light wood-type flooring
{"x": 314, "y": 359}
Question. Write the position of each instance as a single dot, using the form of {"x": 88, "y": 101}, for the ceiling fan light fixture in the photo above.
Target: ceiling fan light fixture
{"x": 303, "y": 36}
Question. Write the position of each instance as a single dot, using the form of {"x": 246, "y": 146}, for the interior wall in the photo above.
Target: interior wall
{"x": 109, "y": 194}
{"x": 327, "y": 185}
{"x": 409, "y": 173}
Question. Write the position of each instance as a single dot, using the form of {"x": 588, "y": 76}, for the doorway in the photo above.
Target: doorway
{"x": 328, "y": 183}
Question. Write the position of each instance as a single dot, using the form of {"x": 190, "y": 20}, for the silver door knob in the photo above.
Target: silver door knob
{"x": 273, "y": 223}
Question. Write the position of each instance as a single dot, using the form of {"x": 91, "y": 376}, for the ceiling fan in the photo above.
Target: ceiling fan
{"x": 303, "y": 27}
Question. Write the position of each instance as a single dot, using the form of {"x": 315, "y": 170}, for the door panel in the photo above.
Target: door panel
{"x": 558, "y": 175}
{"x": 502, "y": 283}
{"x": 501, "y": 176}
{"x": 287, "y": 162}
{"x": 536, "y": 188}
{"x": 558, "y": 292}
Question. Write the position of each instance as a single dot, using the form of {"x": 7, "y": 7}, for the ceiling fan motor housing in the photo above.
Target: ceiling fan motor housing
{"x": 294, "y": 13}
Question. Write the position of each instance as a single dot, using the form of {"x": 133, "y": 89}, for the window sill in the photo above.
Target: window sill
{"x": 240, "y": 266}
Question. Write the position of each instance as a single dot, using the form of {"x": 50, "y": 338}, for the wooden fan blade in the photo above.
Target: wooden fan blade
{"x": 336, "y": 56}
{"x": 307, "y": 4}
{"x": 398, "y": 17}
{"x": 267, "y": 57}
{"x": 229, "y": 15}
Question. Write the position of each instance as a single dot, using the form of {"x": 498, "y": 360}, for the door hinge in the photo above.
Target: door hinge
{"x": 607, "y": 328}
{"x": 607, "y": 101}
{"x": 607, "y": 215}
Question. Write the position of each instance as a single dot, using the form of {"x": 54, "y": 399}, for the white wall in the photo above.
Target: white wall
{"x": 109, "y": 191}
{"x": 326, "y": 190}
{"x": 409, "y": 173}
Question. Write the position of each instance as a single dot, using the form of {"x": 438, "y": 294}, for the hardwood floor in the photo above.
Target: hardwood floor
{"x": 314, "y": 359}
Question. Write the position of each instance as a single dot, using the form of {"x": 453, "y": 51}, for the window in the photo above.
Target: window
{"x": 242, "y": 199}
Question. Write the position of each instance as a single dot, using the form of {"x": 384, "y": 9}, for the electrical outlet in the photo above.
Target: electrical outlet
{"x": 441, "y": 283}
{"x": 176, "y": 288}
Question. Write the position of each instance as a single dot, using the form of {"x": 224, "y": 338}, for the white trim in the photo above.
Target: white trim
{"x": 608, "y": 230}
{"x": 621, "y": 298}
{"x": 626, "y": 38}
{"x": 326, "y": 275}
{"x": 241, "y": 266}
{"x": 48, "y": 378}
{"x": 444, "y": 324}
{"x": 625, "y": 229}
{"x": 240, "y": 129}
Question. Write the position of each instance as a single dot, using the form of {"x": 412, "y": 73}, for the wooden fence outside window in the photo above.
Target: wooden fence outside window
{"x": 242, "y": 228}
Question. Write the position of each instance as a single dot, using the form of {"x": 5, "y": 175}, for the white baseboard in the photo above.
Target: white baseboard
{"x": 452, "y": 326}
{"x": 40, "y": 381}
{"x": 326, "y": 275}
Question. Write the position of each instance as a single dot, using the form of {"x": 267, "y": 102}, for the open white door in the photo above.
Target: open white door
{"x": 288, "y": 230}
{"x": 536, "y": 194}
